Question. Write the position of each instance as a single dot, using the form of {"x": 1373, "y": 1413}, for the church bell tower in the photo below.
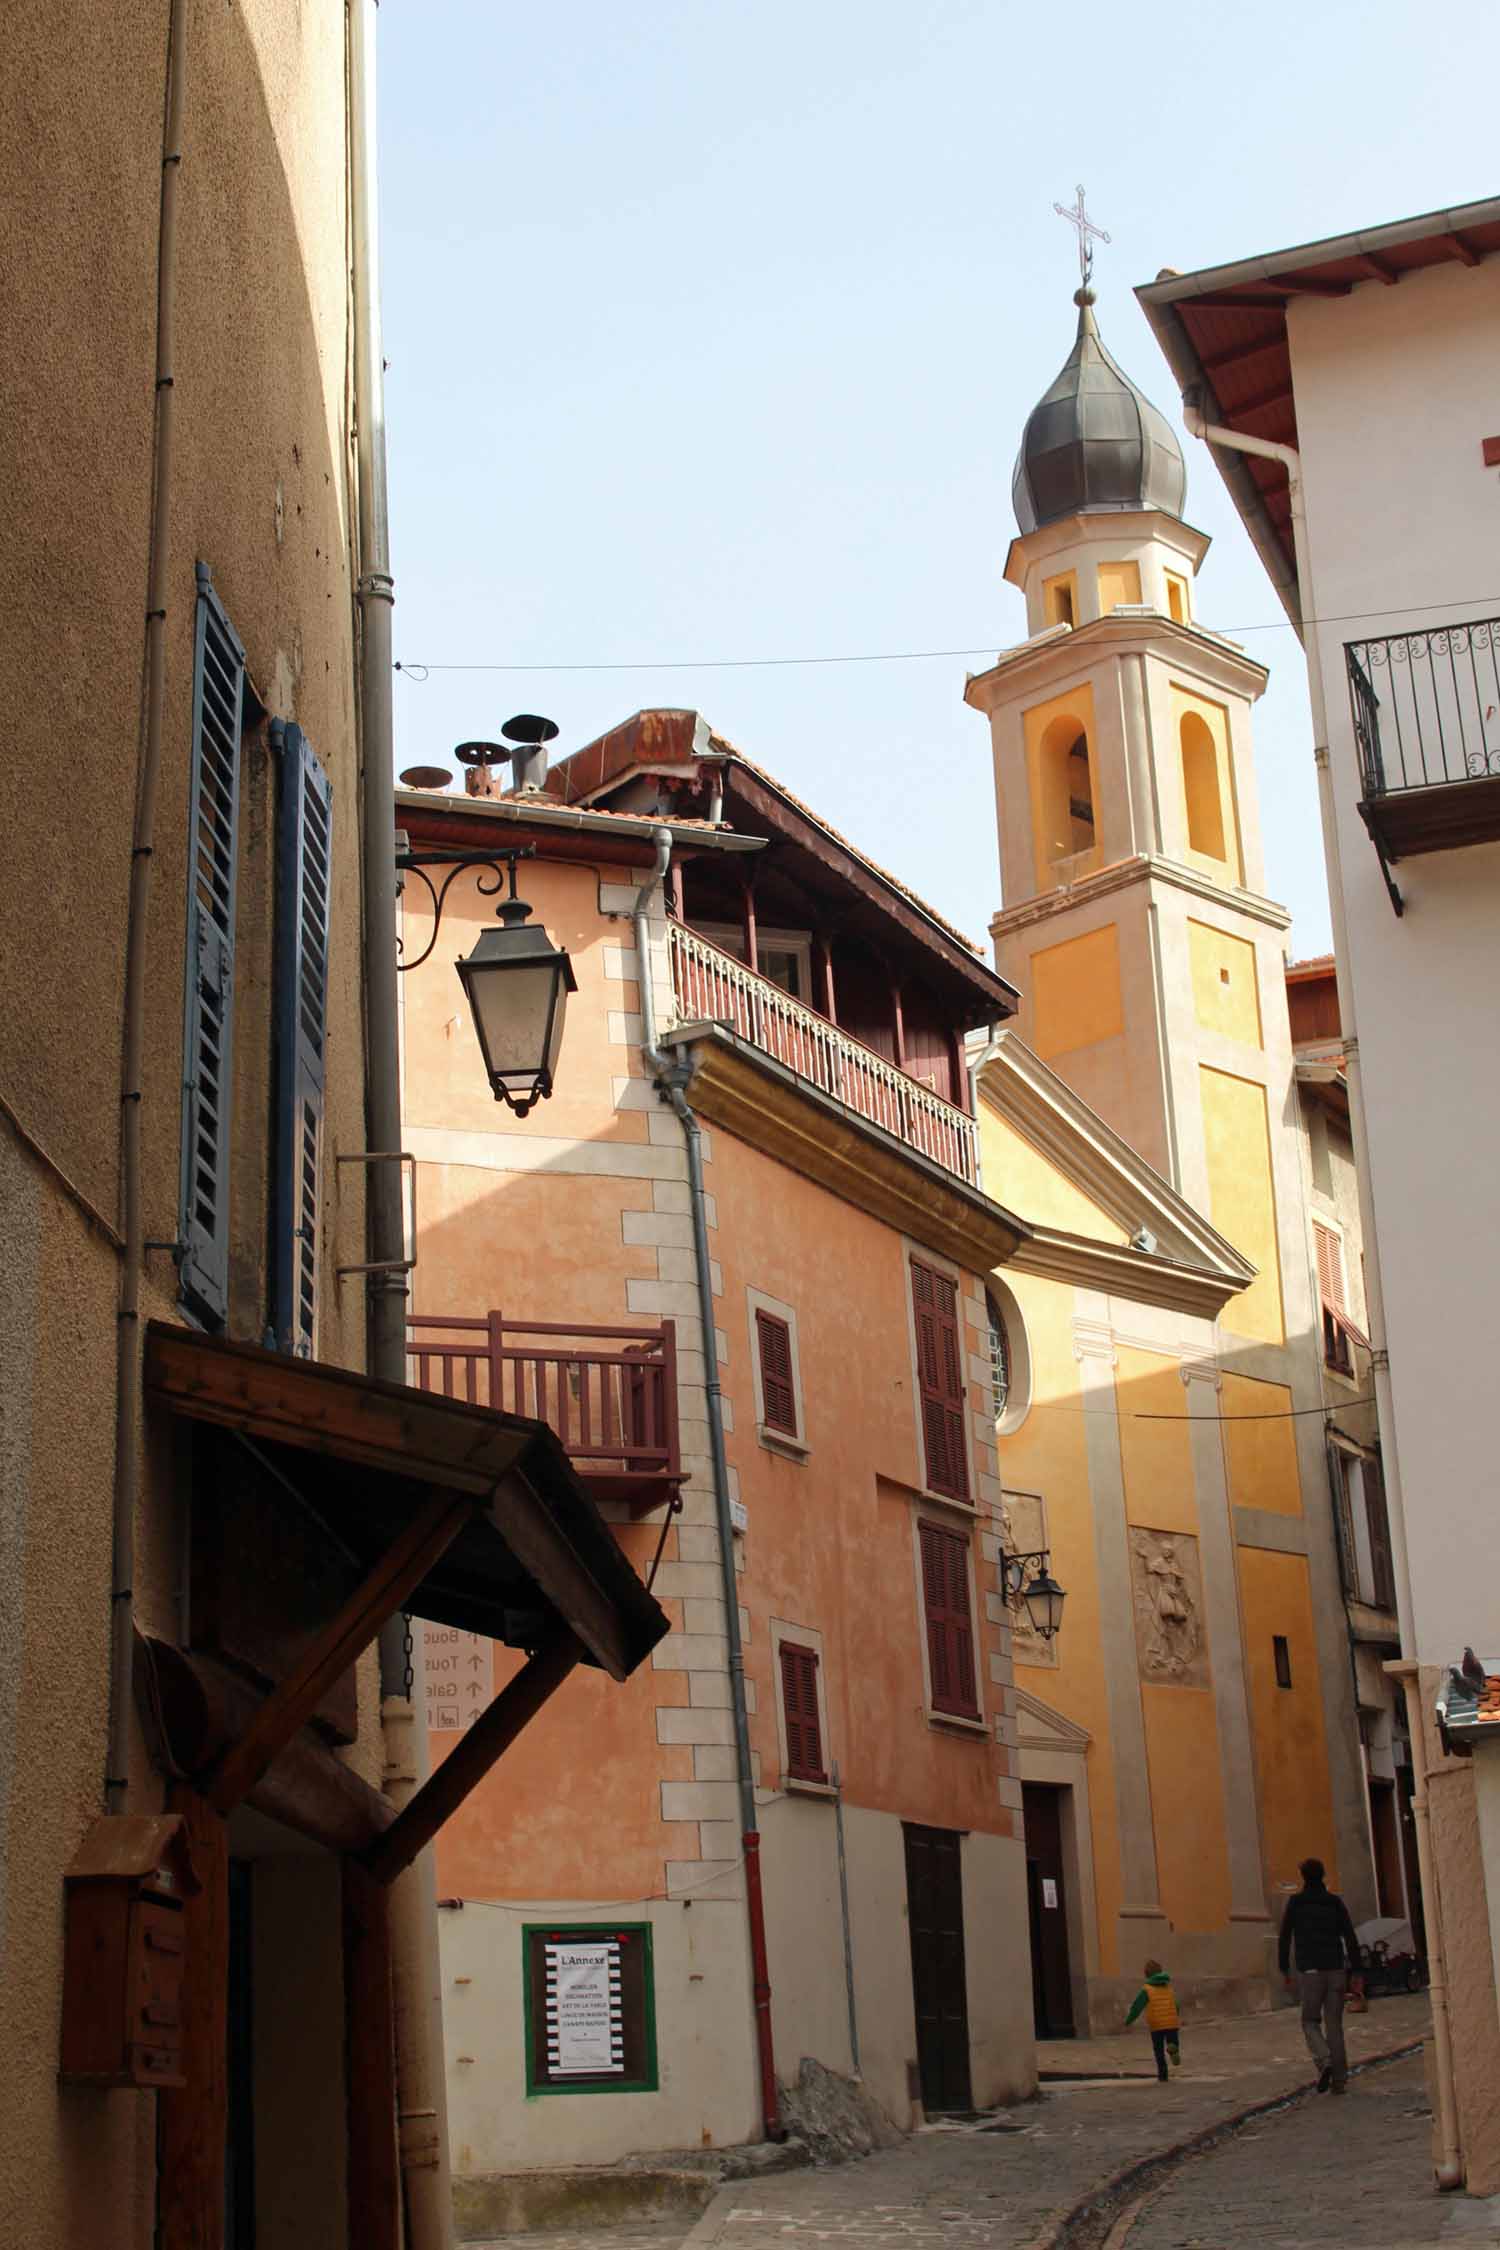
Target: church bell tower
{"x": 1134, "y": 922}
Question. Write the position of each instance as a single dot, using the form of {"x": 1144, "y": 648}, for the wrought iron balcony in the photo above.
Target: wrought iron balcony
{"x": 1426, "y": 711}
{"x": 712, "y": 987}
{"x": 609, "y": 1393}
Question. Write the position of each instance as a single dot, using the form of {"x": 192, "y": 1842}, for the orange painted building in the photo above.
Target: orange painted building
{"x": 751, "y": 1200}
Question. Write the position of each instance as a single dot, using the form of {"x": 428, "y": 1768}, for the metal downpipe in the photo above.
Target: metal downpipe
{"x": 1450, "y": 2167}
{"x": 422, "y": 2109}
{"x": 669, "y": 1075}
{"x": 127, "y": 1482}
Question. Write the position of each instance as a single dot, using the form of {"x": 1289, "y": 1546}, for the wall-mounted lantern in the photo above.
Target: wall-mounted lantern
{"x": 1030, "y": 1586}
{"x": 516, "y": 980}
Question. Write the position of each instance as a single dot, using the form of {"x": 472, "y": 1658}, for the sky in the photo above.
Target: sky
{"x": 712, "y": 329}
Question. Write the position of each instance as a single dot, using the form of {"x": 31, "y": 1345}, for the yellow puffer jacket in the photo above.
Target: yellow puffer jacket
{"x": 1159, "y": 2001}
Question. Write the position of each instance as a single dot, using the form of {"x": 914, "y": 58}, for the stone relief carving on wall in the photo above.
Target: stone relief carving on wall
{"x": 1167, "y": 1591}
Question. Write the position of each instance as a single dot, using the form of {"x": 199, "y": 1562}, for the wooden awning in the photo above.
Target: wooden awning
{"x": 531, "y": 1557}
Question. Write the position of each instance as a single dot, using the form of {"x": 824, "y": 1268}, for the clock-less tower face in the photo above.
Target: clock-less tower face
{"x": 1133, "y": 919}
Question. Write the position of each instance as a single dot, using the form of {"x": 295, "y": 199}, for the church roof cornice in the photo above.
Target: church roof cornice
{"x": 1090, "y": 528}
{"x": 1141, "y": 867}
{"x": 1122, "y": 633}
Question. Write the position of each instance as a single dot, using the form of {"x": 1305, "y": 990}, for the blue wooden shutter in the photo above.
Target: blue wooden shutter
{"x": 303, "y": 839}
{"x": 207, "y": 1064}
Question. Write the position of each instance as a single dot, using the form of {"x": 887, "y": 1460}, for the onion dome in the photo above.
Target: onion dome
{"x": 1093, "y": 444}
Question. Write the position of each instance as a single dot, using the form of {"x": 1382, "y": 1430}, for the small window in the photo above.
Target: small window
{"x": 1119, "y": 585}
{"x": 1058, "y": 605}
{"x": 949, "y": 1621}
{"x": 940, "y": 1380}
{"x": 799, "y": 1709}
{"x": 999, "y": 1354}
{"x": 1177, "y": 598}
{"x": 778, "y": 1391}
{"x": 1283, "y": 1657}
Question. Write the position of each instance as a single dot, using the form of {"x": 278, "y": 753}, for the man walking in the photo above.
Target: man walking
{"x": 1316, "y": 1924}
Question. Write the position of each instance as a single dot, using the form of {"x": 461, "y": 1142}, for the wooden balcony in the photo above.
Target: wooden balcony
{"x": 712, "y": 987}
{"x": 609, "y": 1393}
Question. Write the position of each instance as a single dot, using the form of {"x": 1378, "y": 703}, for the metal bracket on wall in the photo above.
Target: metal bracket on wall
{"x": 385, "y": 1265}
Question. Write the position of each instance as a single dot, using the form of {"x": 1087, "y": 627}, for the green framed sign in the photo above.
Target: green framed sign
{"x": 590, "y": 2008}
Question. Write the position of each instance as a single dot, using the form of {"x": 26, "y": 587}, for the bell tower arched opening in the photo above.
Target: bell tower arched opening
{"x": 1065, "y": 778}
{"x": 1200, "y": 787}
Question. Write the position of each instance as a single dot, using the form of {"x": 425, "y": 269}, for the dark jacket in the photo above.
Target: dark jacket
{"x": 1317, "y": 1923}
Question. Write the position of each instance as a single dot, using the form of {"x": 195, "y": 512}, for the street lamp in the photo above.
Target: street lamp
{"x": 516, "y": 980}
{"x": 1030, "y": 1586}
{"x": 517, "y": 983}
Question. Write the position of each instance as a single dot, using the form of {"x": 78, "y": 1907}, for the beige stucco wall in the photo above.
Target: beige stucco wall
{"x": 1412, "y": 385}
{"x": 260, "y": 492}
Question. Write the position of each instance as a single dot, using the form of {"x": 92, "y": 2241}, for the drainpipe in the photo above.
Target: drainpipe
{"x": 422, "y": 2114}
{"x": 127, "y": 1483}
{"x": 1450, "y": 2172}
{"x": 670, "y": 1077}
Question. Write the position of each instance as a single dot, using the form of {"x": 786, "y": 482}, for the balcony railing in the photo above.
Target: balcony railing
{"x": 609, "y": 1393}
{"x": 712, "y": 987}
{"x": 1426, "y": 712}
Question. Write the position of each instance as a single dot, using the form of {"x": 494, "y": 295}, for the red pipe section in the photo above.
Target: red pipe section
{"x": 761, "y": 1975}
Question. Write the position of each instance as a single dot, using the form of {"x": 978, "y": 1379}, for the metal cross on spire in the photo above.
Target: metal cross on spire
{"x": 1076, "y": 216}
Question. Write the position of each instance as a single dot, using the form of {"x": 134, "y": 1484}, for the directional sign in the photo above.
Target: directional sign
{"x": 459, "y": 1672}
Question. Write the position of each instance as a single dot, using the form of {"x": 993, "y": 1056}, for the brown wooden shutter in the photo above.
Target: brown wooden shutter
{"x": 799, "y": 1704}
{"x": 1330, "y": 1266}
{"x": 950, "y": 1625}
{"x": 778, "y": 1395}
{"x": 941, "y": 1379}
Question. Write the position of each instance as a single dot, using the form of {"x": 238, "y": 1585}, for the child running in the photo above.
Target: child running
{"x": 1162, "y": 2020}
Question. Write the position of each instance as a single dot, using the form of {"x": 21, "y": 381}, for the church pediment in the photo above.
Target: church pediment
{"x": 1155, "y": 1245}
{"x": 1039, "y": 1727}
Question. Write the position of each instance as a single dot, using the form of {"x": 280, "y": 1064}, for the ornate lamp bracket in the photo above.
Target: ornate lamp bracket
{"x": 497, "y": 866}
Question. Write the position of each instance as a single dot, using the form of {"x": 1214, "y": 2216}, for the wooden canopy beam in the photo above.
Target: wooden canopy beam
{"x": 471, "y": 1758}
{"x": 1302, "y": 285}
{"x": 1464, "y": 251}
{"x": 342, "y": 1641}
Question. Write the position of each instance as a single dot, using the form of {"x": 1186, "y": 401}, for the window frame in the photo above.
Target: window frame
{"x": 950, "y": 1631}
{"x": 958, "y": 1489}
{"x": 793, "y": 1445}
{"x": 807, "y": 1639}
{"x": 792, "y": 1657}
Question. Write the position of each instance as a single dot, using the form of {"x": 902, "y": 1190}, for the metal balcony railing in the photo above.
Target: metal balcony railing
{"x": 712, "y": 987}
{"x": 1426, "y": 706}
{"x": 609, "y": 1393}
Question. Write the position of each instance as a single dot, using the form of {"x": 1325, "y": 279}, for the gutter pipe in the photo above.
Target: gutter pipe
{"x": 1450, "y": 2168}
{"x": 671, "y": 1078}
{"x": 416, "y": 1972}
{"x": 127, "y": 1482}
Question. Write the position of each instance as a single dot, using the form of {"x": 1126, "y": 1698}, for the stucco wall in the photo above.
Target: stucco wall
{"x": 1412, "y": 386}
{"x": 260, "y": 492}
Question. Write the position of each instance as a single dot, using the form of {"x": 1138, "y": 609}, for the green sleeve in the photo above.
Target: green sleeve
{"x": 1136, "y": 2006}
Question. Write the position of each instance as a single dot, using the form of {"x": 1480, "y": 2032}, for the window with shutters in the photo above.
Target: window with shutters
{"x": 949, "y": 1619}
{"x": 303, "y": 870}
{"x": 800, "y": 1713}
{"x": 208, "y": 1043}
{"x": 1338, "y": 1329}
{"x": 773, "y": 1339}
{"x": 940, "y": 1381}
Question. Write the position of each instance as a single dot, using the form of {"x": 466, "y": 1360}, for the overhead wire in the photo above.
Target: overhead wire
{"x": 419, "y": 672}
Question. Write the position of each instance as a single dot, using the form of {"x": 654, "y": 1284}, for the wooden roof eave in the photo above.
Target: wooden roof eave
{"x": 991, "y": 998}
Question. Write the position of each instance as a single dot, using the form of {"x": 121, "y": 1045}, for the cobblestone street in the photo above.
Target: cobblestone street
{"x": 1354, "y": 2171}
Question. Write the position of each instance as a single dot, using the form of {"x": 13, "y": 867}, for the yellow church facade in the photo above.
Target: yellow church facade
{"x": 1191, "y": 1733}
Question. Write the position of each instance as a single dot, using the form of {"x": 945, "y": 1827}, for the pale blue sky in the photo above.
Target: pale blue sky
{"x": 712, "y": 329}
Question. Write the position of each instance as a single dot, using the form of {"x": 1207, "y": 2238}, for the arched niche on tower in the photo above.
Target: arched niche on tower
{"x": 1064, "y": 791}
{"x": 1211, "y": 832}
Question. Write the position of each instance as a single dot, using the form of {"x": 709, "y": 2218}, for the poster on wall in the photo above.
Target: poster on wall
{"x": 590, "y": 2009}
{"x": 585, "y": 2020}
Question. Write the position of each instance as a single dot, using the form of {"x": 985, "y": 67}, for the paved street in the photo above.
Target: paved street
{"x": 1322, "y": 2172}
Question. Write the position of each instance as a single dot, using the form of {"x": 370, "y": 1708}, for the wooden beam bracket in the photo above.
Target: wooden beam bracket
{"x": 342, "y": 1641}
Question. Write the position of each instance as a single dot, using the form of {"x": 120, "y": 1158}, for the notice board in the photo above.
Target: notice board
{"x": 590, "y": 2008}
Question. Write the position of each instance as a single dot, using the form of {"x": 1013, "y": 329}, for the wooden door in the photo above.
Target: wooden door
{"x": 935, "y": 1912}
{"x": 1051, "y": 1975}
